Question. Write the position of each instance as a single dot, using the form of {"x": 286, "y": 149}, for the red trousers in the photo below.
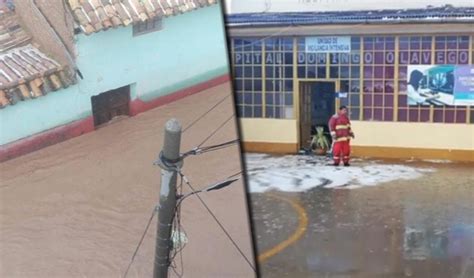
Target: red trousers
{"x": 341, "y": 148}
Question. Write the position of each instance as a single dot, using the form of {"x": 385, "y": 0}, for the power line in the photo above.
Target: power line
{"x": 177, "y": 222}
{"x": 236, "y": 174}
{"x": 205, "y": 113}
{"x": 222, "y": 145}
{"x": 140, "y": 242}
{"x": 216, "y": 130}
{"x": 197, "y": 150}
{"x": 218, "y": 222}
{"x": 177, "y": 227}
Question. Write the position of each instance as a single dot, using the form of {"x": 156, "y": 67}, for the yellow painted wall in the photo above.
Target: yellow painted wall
{"x": 414, "y": 135}
{"x": 269, "y": 130}
{"x": 374, "y": 134}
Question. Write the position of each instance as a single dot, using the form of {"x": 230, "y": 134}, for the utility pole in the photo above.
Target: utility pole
{"x": 168, "y": 161}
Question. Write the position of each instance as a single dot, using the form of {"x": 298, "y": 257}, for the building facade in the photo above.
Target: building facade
{"x": 292, "y": 70}
{"x": 132, "y": 57}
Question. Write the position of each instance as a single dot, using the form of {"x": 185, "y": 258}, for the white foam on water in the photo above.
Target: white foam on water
{"x": 299, "y": 173}
{"x": 437, "y": 160}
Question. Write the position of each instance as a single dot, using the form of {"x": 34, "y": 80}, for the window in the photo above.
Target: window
{"x": 310, "y": 65}
{"x": 414, "y": 50}
{"x": 452, "y": 50}
{"x": 247, "y": 77}
{"x": 342, "y": 66}
{"x": 374, "y": 74}
{"x": 279, "y": 78}
{"x": 263, "y": 91}
{"x": 148, "y": 26}
{"x": 346, "y": 67}
{"x": 428, "y": 50}
{"x": 378, "y": 78}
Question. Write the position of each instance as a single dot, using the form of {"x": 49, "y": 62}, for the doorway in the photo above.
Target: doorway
{"x": 110, "y": 104}
{"x": 317, "y": 105}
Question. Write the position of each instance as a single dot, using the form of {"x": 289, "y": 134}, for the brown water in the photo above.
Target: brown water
{"x": 417, "y": 228}
{"x": 79, "y": 208}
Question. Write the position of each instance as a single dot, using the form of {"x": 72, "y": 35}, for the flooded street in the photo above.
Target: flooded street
{"x": 409, "y": 219}
{"x": 79, "y": 208}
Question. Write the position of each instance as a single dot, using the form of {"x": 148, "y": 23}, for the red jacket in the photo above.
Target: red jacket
{"x": 340, "y": 127}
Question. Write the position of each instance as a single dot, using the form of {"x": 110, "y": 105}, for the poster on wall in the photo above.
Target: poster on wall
{"x": 440, "y": 85}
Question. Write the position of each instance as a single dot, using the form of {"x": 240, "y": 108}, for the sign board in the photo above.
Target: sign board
{"x": 341, "y": 95}
{"x": 328, "y": 44}
{"x": 440, "y": 85}
{"x": 464, "y": 85}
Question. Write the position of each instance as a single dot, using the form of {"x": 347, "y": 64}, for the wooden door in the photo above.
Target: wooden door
{"x": 305, "y": 115}
{"x": 324, "y": 97}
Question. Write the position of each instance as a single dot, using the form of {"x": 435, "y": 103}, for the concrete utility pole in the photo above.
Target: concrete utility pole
{"x": 169, "y": 161}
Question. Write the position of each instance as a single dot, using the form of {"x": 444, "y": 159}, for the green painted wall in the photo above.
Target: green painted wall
{"x": 190, "y": 49}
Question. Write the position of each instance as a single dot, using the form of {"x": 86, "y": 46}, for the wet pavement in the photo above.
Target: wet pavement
{"x": 421, "y": 226}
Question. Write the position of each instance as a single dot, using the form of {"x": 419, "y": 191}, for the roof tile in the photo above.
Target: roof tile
{"x": 96, "y": 15}
{"x": 11, "y": 33}
{"x": 26, "y": 72}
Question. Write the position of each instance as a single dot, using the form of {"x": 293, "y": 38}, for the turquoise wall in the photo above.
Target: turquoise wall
{"x": 190, "y": 49}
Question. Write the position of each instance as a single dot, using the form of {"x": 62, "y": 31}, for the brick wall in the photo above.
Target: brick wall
{"x": 40, "y": 30}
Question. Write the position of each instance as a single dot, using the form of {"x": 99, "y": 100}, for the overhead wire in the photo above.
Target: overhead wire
{"x": 177, "y": 227}
{"x": 218, "y": 222}
{"x": 197, "y": 150}
{"x": 140, "y": 242}
{"x": 236, "y": 174}
{"x": 216, "y": 130}
{"x": 205, "y": 113}
{"x": 177, "y": 219}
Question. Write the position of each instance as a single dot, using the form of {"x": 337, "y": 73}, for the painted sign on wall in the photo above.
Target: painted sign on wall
{"x": 440, "y": 85}
{"x": 328, "y": 44}
{"x": 464, "y": 85}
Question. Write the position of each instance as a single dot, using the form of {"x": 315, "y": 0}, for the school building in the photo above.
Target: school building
{"x": 407, "y": 77}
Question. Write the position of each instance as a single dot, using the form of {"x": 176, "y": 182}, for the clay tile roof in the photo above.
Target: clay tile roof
{"x": 11, "y": 33}
{"x": 96, "y": 15}
{"x": 25, "y": 71}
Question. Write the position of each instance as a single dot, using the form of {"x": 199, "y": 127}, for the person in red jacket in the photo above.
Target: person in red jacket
{"x": 340, "y": 128}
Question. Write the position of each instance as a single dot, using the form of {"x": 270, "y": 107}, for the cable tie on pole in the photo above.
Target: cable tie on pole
{"x": 168, "y": 164}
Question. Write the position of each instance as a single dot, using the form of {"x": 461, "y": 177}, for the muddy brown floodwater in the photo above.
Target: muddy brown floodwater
{"x": 79, "y": 208}
{"x": 422, "y": 227}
